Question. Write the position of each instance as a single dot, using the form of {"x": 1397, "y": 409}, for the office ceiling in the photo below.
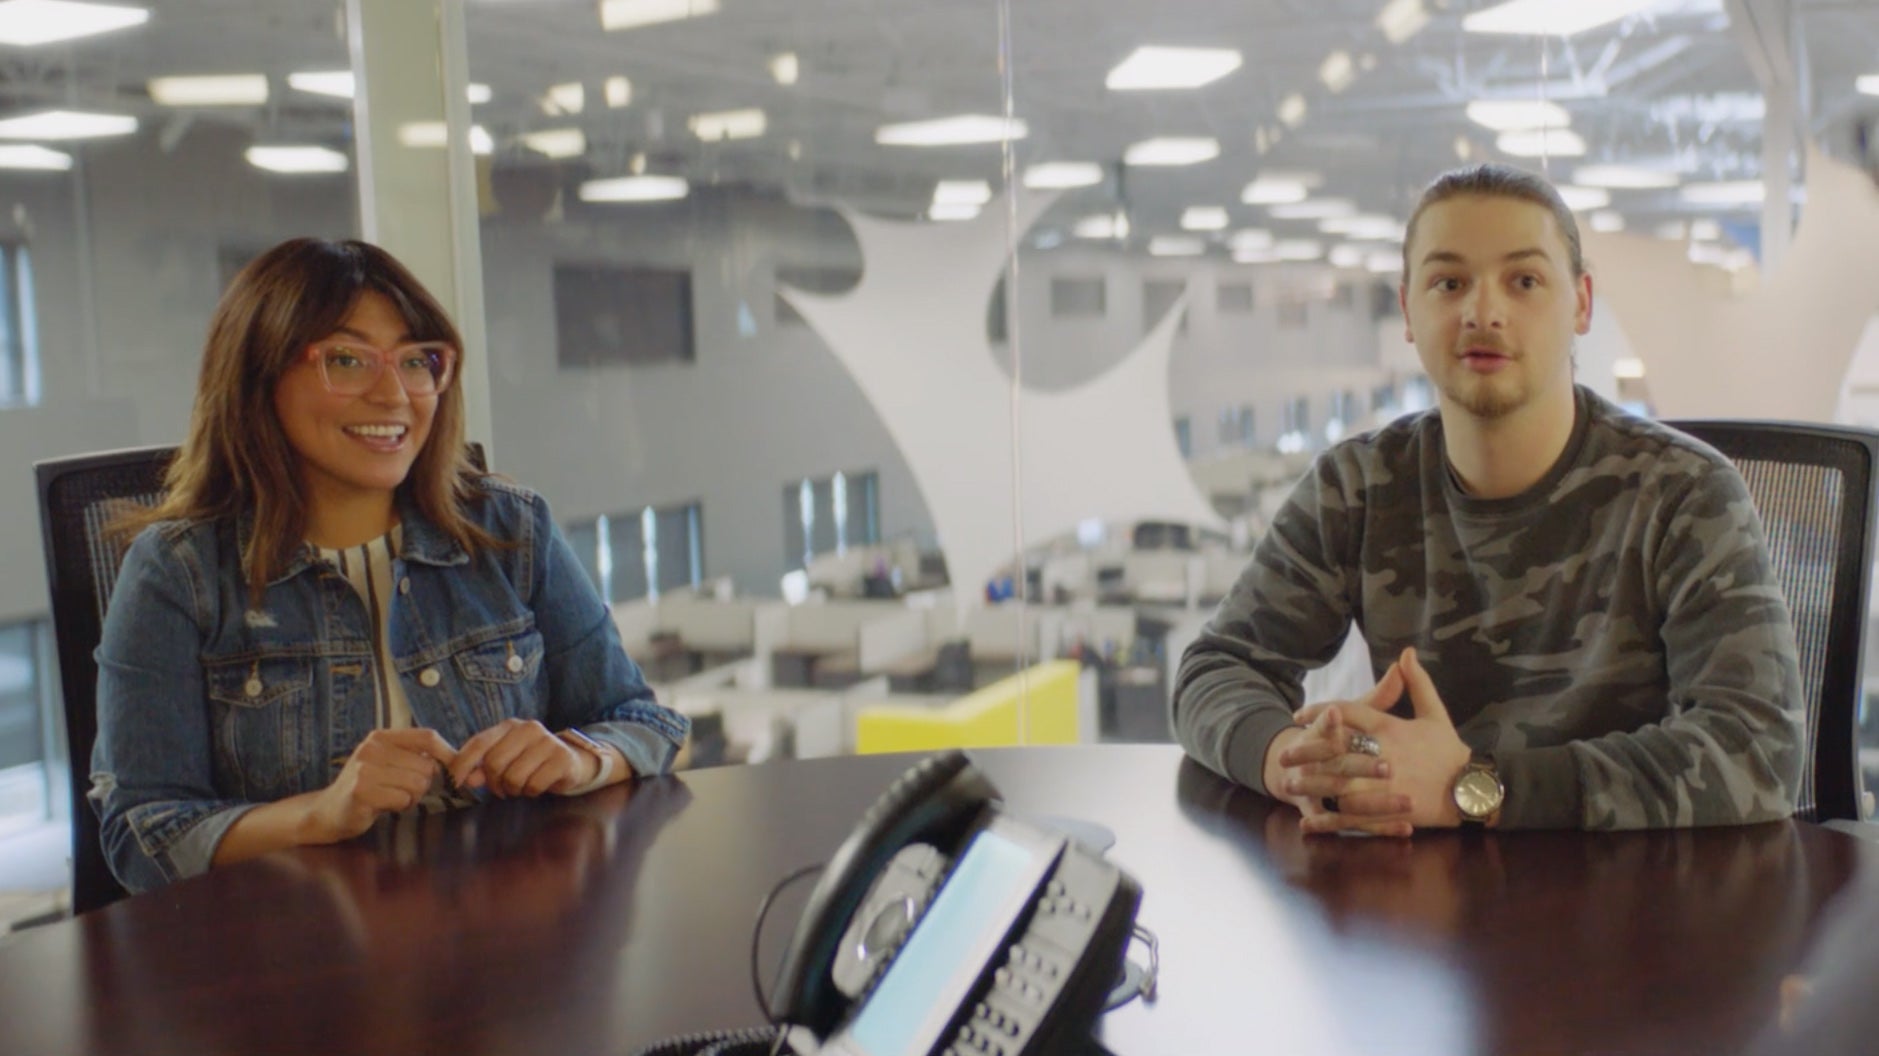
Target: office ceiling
{"x": 1672, "y": 86}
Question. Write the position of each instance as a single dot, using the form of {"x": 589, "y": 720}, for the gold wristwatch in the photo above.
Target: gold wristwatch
{"x": 1478, "y": 792}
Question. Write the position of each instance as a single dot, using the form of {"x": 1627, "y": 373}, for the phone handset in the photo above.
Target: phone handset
{"x": 934, "y": 804}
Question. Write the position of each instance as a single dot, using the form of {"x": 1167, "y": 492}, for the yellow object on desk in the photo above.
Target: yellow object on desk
{"x": 984, "y": 718}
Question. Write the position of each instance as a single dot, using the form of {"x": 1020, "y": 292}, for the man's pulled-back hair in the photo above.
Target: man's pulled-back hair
{"x": 1500, "y": 181}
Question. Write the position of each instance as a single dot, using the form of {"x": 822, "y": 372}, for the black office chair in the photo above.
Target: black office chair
{"x": 1813, "y": 486}
{"x": 78, "y": 497}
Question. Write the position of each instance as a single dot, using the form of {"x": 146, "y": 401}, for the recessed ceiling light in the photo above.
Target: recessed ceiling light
{"x": 1346, "y": 257}
{"x": 336, "y": 83}
{"x": 952, "y": 212}
{"x": 1314, "y": 209}
{"x": 27, "y": 23}
{"x": 748, "y": 123}
{"x": 1869, "y": 84}
{"x": 631, "y": 14}
{"x": 1517, "y": 115}
{"x": 1176, "y": 246}
{"x": 1607, "y": 222}
{"x": 34, "y": 157}
{"x": 1299, "y": 249}
{"x": 1172, "y": 150}
{"x": 568, "y": 98}
{"x": 1541, "y": 143}
{"x": 1705, "y": 230}
{"x": 1381, "y": 263}
{"x": 951, "y": 131}
{"x": 1255, "y": 255}
{"x": 557, "y": 142}
{"x": 618, "y": 92}
{"x": 1726, "y": 193}
{"x": 962, "y": 192}
{"x": 1628, "y": 368}
{"x": 1251, "y": 238}
{"x": 1153, "y": 67}
{"x": 1204, "y": 218}
{"x": 1623, "y": 177}
{"x": 1273, "y": 189}
{"x": 635, "y": 189}
{"x": 1102, "y": 225}
{"x": 66, "y": 124}
{"x": 1672, "y": 231}
{"x": 1401, "y": 19}
{"x": 296, "y": 160}
{"x": 234, "y": 89}
{"x": 1058, "y": 175}
{"x": 432, "y": 134}
{"x": 480, "y": 94}
{"x": 1292, "y": 110}
{"x": 785, "y": 68}
{"x": 1337, "y": 71}
{"x": 1368, "y": 227}
{"x": 1584, "y": 199}
{"x": 1560, "y": 18}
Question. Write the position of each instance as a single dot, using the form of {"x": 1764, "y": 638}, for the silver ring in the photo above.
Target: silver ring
{"x": 1364, "y": 744}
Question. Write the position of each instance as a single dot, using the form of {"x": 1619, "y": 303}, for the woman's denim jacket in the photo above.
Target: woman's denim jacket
{"x": 207, "y": 707}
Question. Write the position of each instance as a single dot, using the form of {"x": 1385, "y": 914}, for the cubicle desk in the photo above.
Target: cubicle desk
{"x": 595, "y": 925}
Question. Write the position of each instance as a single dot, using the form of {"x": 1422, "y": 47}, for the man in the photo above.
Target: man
{"x": 1576, "y": 604}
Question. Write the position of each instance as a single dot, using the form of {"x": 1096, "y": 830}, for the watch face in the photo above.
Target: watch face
{"x": 1477, "y": 793}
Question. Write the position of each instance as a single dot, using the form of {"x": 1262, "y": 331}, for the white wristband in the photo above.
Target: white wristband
{"x": 595, "y": 749}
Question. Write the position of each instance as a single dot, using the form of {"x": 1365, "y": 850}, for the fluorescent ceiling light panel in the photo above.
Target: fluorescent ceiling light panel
{"x": 785, "y": 68}
{"x": 1542, "y": 143}
{"x": 1152, "y": 68}
{"x": 1381, "y": 263}
{"x": 1255, "y": 255}
{"x": 962, "y": 192}
{"x": 1869, "y": 84}
{"x": 1176, "y": 246}
{"x": 1584, "y": 199}
{"x": 1346, "y": 257}
{"x": 720, "y": 125}
{"x": 1401, "y": 19}
{"x": 296, "y": 160}
{"x": 1059, "y": 175}
{"x": 1517, "y": 115}
{"x": 1559, "y": 18}
{"x": 34, "y": 157}
{"x": 951, "y": 131}
{"x": 480, "y": 94}
{"x": 234, "y": 89}
{"x": 1299, "y": 249}
{"x": 66, "y": 124}
{"x": 29, "y": 23}
{"x": 632, "y": 14}
{"x": 1607, "y": 222}
{"x": 336, "y": 83}
{"x": 557, "y": 142}
{"x": 1627, "y": 368}
{"x": 1250, "y": 238}
{"x": 1623, "y": 177}
{"x": 569, "y": 98}
{"x": 1103, "y": 225}
{"x": 1275, "y": 190}
{"x": 1204, "y": 218}
{"x": 1727, "y": 193}
{"x": 1368, "y": 227}
{"x": 1705, "y": 230}
{"x": 1172, "y": 150}
{"x": 618, "y": 92}
{"x": 635, "y": 189}
{"x": 1674, "y": 231}
{"x": 1314, "y": 209}
{"x": 432, "y": 134}
{"x": 952, "y": 212}
{"x": 1292, "y": 110}
{"x": 1337, "y": 71}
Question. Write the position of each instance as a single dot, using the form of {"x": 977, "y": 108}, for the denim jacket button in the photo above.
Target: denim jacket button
{"x": 429, "y": 677}
{"x": 252, "y": 687}
{"x": 515, "y": 664}
{"x": 404, "y": 585}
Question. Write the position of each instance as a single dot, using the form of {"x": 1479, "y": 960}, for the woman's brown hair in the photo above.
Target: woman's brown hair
{"x": 236, "y": 458}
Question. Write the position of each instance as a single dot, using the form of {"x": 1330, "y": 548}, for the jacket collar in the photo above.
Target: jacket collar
{"x": 424, "y": 542}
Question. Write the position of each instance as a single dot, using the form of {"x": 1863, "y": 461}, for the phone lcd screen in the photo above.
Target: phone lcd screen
{"x": 950, "y": 947}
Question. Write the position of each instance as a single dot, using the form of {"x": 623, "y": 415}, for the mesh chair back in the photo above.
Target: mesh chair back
{"x": 78, "y": 497}
{"x": 1813, "y": 487}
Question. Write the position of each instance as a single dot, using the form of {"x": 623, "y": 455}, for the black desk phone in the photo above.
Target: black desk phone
{"x": 944, "y": 926}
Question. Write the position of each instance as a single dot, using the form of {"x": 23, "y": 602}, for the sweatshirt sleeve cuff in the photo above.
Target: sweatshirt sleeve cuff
{"x": 1543, "y": 789}
{"x": 1247, "y": 744}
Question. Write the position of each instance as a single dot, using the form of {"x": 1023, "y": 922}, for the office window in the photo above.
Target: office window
{"x": 19, "y": 336}
{"x": 830, "y": 514}
{"x": 810, "y": 279}
{"x": 1158, "y": 296}
{"x": 1246, "y": 425}
{"x": 1234, "y": 298}
{"x": 674, "y": 546}
{"x": 1227, "y": 429}
{"x": 614, "y": 314}
{"x": 23, "y": 692}
{"x": 633, "y": 555}
{"x": 1072, "y": 298}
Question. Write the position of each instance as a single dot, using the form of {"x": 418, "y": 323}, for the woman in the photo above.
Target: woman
{"x": 333, "y": 615}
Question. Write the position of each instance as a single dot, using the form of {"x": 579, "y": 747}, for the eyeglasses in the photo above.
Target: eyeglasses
{"x": 350, "y": 368}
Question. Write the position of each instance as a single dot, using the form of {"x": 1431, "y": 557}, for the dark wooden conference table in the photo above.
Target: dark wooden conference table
{"x": 593, "y": 926}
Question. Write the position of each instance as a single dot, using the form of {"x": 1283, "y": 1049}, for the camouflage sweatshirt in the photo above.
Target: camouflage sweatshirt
{"x": 1614, "y": 637}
